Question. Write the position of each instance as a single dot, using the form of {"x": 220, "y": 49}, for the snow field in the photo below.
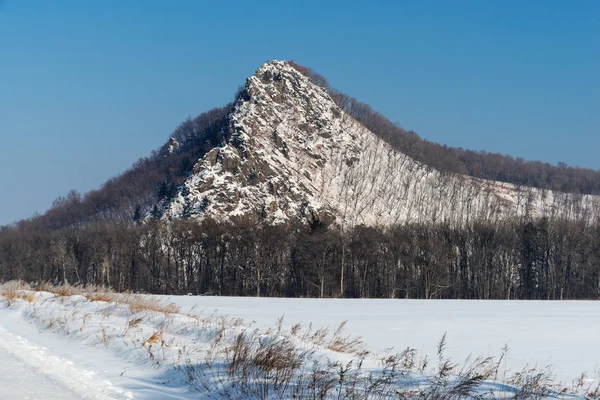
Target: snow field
{"x": 560, "y": 334}
{"x": 139, "y": 346}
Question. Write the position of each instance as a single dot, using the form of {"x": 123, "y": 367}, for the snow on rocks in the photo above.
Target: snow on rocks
{"x": 293, "y": 154}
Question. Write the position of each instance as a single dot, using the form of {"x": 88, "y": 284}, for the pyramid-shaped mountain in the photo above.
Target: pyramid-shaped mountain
{"x": 290, "y": 153}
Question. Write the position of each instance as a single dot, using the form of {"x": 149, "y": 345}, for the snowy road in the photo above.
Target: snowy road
{"x": 20, "y": 381}
{"x": 32, "y": 371}
{"x": 36, "y": 363}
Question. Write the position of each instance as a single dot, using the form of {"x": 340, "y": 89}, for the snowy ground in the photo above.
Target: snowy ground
{"x": 19, "y": 380}
{"x": 68, "y": 362}
{"x": 70, "y": 347}
{"x": 563, "y": 334}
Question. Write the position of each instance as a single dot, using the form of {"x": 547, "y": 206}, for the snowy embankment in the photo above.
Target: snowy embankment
{"x": 110, "y": 346}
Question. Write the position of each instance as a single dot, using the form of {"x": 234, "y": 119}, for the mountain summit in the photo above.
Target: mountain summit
{"x": 290, "y": 153}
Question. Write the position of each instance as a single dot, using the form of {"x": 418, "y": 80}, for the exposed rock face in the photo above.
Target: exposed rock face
{"x": 292, "y": 154}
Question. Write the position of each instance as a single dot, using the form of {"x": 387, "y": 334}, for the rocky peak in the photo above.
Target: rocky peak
{"x": 280, "y": 130}
{"x": 291, "y": 154}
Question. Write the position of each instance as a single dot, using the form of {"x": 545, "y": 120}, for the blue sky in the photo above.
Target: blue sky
{"x": 88, "y": 87}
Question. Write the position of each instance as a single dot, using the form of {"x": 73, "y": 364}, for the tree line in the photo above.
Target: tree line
{"x": 517, "y": 259}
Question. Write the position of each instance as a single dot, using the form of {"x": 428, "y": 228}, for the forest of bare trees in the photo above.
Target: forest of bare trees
{"x": 519, "y": 259}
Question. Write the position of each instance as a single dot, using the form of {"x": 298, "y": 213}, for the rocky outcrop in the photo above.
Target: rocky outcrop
{"x": 292, "y": 154}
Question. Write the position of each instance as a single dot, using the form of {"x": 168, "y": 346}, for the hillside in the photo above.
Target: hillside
{"x": 158, "y": 178}
{"x": 292, "y": 153}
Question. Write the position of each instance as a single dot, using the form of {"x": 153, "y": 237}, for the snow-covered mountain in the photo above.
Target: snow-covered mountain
{"x": 291, "y": 153}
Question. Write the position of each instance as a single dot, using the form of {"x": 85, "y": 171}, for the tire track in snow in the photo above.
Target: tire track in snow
{"x": 62, "y": 371}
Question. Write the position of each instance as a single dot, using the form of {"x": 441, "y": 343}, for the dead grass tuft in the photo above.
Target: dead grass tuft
{"x": 139, "y": 304}
{"x": 29, "y": 297}
{"x": 345, "y": 344}
{"x": 68, "y": 290}
{"x": 132, "y": 323}
{"x": 106, "y": 297}
{"x": 15, "y": 290}
{"x": 157, "y": 337}
{"x": 64, "y": 290}
{"x": 9, "y": 296}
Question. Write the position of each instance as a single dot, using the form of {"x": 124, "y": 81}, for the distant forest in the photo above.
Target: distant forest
{"x": 539, "y": 259}
{"x": 115, "y": 235}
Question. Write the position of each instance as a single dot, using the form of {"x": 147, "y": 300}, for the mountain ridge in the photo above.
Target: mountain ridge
{"x": 291, "y": 153}
{"x": 157, "y": 179}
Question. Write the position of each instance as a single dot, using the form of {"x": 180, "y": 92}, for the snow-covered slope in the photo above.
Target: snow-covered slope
{"x": 292, "y": 153}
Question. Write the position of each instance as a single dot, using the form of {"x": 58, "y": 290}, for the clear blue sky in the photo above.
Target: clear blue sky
{"x": 88, "y": 87}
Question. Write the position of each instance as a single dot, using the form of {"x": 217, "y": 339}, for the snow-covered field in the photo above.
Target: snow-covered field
{"x": 67, "y": 347}
{"x": 563, "y": 334}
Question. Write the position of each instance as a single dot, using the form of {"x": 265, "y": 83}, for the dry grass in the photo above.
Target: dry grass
{"x": 106, "y": 338}
{"x": 255, "y": 367}
{"x": 133, "y": 322}
{"x": 272, "y": 364}
{"x": 139, "y": 303}
{"x": 29, "y": 297}
{"x": 84, "y": 321}
{"x": 60, "y": 290}
{"x": 136, "y": 302}
{"x": 275, "y": 367}
{"x": 106, "y": 297}
{"x": 68, "y": 290}
{"x": 157, "y": 337}
{"x": 16, "y": 290}
{"x": 346, "y": 344}
{"x": 65, "y": 290}
{"x": 9, "y": 295}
